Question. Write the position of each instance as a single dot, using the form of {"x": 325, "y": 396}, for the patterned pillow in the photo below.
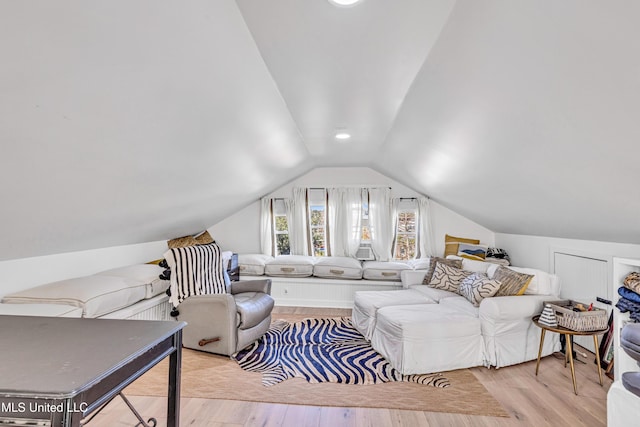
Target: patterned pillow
{"x": 498, "y": 253}
{"x": 632, "y": 281}
{"x": 447, "y": 278}
{"x": 512, "y": 283}
{"x": 457, "y": 263}
{"x": 451, "y": 244}
{"x": 477, "y": 287}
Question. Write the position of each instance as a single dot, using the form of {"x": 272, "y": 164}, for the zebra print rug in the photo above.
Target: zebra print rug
{"x": 322, "y": 350}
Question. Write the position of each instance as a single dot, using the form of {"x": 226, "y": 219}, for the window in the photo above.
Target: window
{"x": 281, "y": 228}
{"x": 406, "y": 232}
{"x": 365, "y": 237}
{"x": 318, "y": 221}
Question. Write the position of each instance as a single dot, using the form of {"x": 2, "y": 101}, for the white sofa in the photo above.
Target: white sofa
{"x": 420, "y": 329}
{"x": 130, "y": 292}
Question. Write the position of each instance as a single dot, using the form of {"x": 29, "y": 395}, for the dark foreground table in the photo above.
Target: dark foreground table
{"x": 62, "y": 369}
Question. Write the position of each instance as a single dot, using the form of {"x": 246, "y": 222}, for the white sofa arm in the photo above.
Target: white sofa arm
{"x": 412, "y": 277}
{"x": 513, "y": 307}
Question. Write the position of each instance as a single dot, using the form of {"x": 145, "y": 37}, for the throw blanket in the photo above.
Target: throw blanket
{"x": 626, "y": 305}
{"x": 322, "y": 350}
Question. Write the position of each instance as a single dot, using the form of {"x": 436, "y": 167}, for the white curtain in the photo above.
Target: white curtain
{"x": 297, "y": 219}
{"x": 266, "y": 226}
{"x": 344, "y": 209}
{"x": 426, "y": 242}
{"x": 381, "y": 222}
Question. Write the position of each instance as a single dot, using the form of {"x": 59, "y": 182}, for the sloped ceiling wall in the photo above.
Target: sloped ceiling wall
{"x": 524, "y": 118}
{"x": 126, "y": 122}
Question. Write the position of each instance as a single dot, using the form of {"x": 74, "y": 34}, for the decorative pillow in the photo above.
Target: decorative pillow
{"x": 457, "y": 263}
{"x": 253, "y": 264}
{"x": 447, "y": 278}
{"x": 199, "y": 239}
{"x": 195, "y": 270}
{"x": 498, "y": 253}
{"x": 477, "y": 287}
{"x": 290, "y": 266}
{"x": 512, "y": 282}
{"x": 451, "y": 244}
{"x": 475, "y": 252}
{"x": 336, "y": 267}
{"x": 632, "y": 281}
{"x": 383, "y": 270}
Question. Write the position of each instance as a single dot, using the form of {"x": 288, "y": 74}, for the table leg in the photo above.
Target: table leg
{"x": 570, "y": 356}
{"x": 595, "y": 345}
{"x": 540, "y": 349}
{"x": 175, "y": 362}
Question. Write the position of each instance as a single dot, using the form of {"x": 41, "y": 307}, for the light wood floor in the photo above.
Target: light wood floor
{"x": 546, "y": 400}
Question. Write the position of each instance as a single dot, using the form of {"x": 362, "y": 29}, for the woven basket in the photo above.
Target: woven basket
{"x": 581, "y": 321}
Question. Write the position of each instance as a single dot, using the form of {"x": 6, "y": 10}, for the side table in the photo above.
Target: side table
{"x": 568, "y": 351}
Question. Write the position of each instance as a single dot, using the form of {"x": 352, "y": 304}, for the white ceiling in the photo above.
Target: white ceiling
{"x": 126, "y": 122}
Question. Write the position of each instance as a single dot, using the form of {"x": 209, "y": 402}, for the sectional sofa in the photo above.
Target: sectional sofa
{"x": 421, "y": 329}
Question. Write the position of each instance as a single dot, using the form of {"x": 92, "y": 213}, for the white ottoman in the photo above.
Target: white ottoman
{"x": 367, "y": 303}
{"x": 426, "y": 338}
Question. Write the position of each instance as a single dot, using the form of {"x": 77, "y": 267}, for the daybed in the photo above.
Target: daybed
{"x": 131, "y": 292}
{"x": 322, "y": 281}
{"x": 422, "y": 329}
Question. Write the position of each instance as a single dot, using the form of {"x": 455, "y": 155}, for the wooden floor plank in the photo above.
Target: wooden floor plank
{"x": 543, "y": 400}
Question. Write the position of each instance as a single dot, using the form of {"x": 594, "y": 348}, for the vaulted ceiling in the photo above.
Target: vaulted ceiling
{"x": 126, "y": 122}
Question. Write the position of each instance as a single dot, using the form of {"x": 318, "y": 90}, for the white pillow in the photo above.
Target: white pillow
{"x": 290, "y": 266}
{"x": 149, "y": 274}
{"x": 542, "y": 283}
{"x": 252, "y": 264}
{"x": 383, "y": 270}
{"x": 420, "y": 263}
{"x": 96, "y": 295}
{"x": 334, "y": 267}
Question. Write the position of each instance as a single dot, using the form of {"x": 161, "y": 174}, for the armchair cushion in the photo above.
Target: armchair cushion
{"x": 253, "y": 308}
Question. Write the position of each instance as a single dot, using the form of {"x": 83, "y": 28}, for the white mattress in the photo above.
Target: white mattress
{"x": 45, "y": 310}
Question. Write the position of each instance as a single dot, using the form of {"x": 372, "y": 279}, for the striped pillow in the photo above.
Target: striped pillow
{"x": 512, "y": 282}
{"x": 447, "y": 278}
{"x": 477, "y": 287}
{"x": 457, "y": 263}
{"x": 195, "y": 270}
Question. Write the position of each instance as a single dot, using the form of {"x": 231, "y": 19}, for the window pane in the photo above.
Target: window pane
{"x": 405, "y": 247}
{"x": 366, "y": 233}
{"x": 282, "y": 240}
{"x": 281, "y": 223}
{"x": 317, "y": 215}
{"x": 319, "y": 248}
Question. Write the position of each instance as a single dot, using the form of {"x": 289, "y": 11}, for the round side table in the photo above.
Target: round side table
{"x": 568, "y": 351}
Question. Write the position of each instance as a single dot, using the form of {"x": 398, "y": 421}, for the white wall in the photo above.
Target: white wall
{"x": 536, "y": 251}
{"x": 24, "y": 273}
{"x": 240, "y": 232}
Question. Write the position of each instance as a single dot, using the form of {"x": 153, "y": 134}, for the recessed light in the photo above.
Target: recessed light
{"x": 342, "y": 136}
{"x": 344, "y": 2}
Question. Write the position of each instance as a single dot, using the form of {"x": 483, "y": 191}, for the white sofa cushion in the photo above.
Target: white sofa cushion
{"x": 45, "y": 310}
{"x": 290, "y": 266}
{"x": 383, "y": 270}
{"x": 334, "y": 267}
{"x": 434, "y": 294}
{"x": 149, "y": 274}
{"x": 253, "y": 264}
{"x": 96, "y": 295}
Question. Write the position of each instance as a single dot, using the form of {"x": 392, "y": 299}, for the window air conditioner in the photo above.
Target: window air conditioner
{"x": 365, "y": 253}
